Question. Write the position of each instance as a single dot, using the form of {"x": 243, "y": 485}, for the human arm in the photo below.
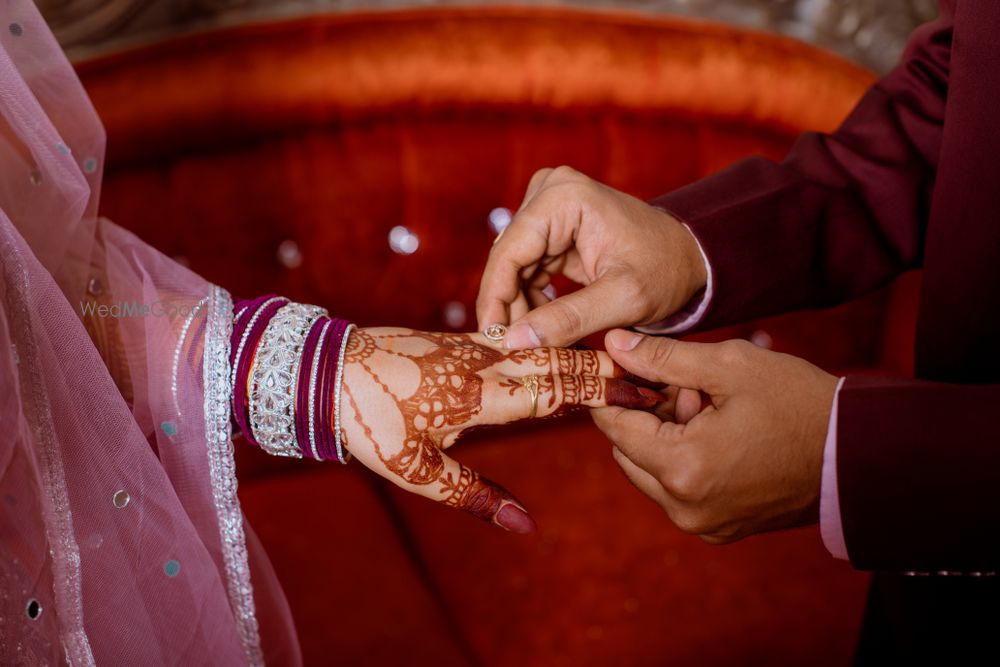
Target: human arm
{"x": 839, "y": 217}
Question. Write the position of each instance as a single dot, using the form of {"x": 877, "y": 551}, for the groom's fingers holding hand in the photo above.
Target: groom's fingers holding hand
{"x": 645, "y": 439}
{"x": 544, "y": 227}
{"x": 600, "y": 305}
{"x": 700, "y": 366}
{"x": 520, "y": 246}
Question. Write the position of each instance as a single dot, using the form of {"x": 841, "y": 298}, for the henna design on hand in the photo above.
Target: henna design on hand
{"x": 447, "y": 401}
{"x": 449, "y": 394}
{"x": 486, "y": 501}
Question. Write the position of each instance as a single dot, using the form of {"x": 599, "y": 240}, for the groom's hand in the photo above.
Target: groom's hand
{"x": 637, "y": 263}
{"x": 750, "y": 461}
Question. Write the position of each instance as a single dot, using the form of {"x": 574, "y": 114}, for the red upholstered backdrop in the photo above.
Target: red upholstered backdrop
{"x": 329, "y": 131}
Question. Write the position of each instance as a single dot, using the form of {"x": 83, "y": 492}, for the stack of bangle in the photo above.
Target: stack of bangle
{"x": 287, "y": 371}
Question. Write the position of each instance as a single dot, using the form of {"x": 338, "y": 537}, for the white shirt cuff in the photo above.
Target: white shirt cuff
{"x": 692, "y": 314}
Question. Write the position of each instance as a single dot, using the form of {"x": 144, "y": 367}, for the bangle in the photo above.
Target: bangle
{"x": 286, "y": 377}
{"x": 338, "y": 384}
{"x": 247, "y": 331}
{"x": 274, "y": 378}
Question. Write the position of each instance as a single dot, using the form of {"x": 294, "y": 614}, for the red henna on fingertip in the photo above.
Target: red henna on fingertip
{"x": 626, "y": 395}
{"x": 622, "y": 374}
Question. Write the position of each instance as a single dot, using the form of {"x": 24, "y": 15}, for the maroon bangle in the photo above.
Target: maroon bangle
{"x": 250, "y": 340}
{"x": 303, "y": 387}
{"x": 336, "y": 339}
{"x": 320, "y": 355}
{"x": 323, "y": 399}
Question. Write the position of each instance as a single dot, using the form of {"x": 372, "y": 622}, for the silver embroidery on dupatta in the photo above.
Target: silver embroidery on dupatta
{"x": 59, "y": 526}
{"x": 222, "y": 469}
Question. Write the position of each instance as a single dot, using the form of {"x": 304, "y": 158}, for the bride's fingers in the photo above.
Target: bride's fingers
{"x": 513, "y": 399}
{"x": 417, "y": 464}
{"x": 461, "y": 487}
{"x": 599, "y": 392}
{"x": 562, "y": 361}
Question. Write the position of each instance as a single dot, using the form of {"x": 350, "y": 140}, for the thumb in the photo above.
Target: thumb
{"x": 675, "y": 362}
{"x": 567, "y": 319}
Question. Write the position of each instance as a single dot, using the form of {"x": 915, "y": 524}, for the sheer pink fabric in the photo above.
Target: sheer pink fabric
{"x": 121, "y": 538}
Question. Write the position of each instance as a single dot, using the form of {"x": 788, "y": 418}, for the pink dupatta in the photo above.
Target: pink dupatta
{"x": 121, "y": 536}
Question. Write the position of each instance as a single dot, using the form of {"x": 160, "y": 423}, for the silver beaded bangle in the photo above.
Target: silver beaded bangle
{"x": 312, "y": 389}
{"x": 338, "y": 384}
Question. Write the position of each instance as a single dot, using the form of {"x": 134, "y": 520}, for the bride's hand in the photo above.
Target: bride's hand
{"x": 409, "y": 395}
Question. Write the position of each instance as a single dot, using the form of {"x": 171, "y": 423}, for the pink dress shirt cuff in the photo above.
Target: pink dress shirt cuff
{"x": 829, "y": 497}
{"x": 687, "y": 318}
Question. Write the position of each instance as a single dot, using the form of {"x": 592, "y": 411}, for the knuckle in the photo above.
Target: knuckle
{"x": 660, "y": 351}
{"x": 685, "y": 484}
{"x": 735, "y": 351}
{"x": 541, "y": 173}
{"x": 632, "y": 290}
{"x": 566, "y": 173}
{"x": 567, "y": 317}
{"x": 688, "y": 522}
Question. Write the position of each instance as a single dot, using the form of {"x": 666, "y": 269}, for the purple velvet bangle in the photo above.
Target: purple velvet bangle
{"x": 323, "y": 399}
{"x": 254, "y": 316}
{"x": 243, "y": 310}
{"x": 302, "y": 387}
{"x": 240, "y": 405}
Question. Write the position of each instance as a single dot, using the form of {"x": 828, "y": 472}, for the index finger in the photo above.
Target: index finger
{"x": 521, "y": 246}
{"x": 644, "y": 438}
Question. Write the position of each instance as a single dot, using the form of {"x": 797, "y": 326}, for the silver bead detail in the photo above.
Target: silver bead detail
{"x": 338, "y": 385}
{"x": 121, "y": 498}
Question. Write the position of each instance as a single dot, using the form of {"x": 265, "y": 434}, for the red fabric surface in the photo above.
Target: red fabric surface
{"x": 329, "y": 131}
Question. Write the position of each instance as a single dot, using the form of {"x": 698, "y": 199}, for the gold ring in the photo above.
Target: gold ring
{"x": 530, "y": 383}
{"x": 495, "y": 332}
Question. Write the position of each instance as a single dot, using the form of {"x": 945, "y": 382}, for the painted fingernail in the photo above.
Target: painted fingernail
{"x": 626, "y": 395}
{"x": 653, "y": 395}
{"x": 624, "y": 340}
{"x": 520, "y": 337}
{"x": 515, "y": 519}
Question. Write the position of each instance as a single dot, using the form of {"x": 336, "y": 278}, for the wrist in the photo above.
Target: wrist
{"x": 689, "y": 268}
{"x": 694, "y": 263}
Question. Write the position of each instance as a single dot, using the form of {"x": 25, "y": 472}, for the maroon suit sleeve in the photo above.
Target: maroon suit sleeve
{"x": 842, "y": 214}
{"x": 917, "y": 462}
{"x": 918, "y": 469}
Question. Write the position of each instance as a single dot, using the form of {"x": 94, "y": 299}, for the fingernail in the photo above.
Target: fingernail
{"x": 520, "y": 337}
{"x": 516, "y": 520}
{"x": 624, "y": 340}
{"x": 653, "y": 395}
{"x": 626, "y": 395}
